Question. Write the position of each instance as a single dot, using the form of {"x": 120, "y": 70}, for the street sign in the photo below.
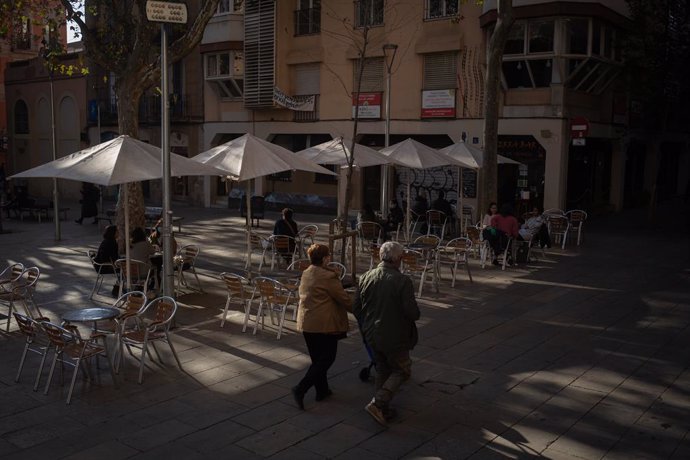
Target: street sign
{"x": 166, "y": 12}
{"x": 579, "y": 127}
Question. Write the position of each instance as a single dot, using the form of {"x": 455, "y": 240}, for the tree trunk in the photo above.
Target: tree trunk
{"x": 492, "y": 90}
{"x": 128, "y": 96}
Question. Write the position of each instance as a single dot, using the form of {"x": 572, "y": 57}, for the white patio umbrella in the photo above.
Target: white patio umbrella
{"x": 416, "y": 155}
{"x": 337, "y": 152}
{"x": 249, "y": 157}
{"x": 118, "y": 161}
{"x": 473, "y": 158}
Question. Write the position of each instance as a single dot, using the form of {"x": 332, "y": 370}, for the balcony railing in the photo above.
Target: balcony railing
{"x": 308, "y": 21}
{"x": 182, "y": 108}
{"x": 302, "y": 116}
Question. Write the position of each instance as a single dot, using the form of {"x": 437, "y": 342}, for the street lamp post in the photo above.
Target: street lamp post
{"x": 56, "y": 205}
{"x": 389, "y": 51}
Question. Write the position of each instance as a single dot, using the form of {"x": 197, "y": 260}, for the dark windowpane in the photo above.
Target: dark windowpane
{"x": 541, "y": 72}
{"x": 516, "y": 40}
{"x": 516, "y": 74}
{"x": 576, "y": 33}
{"x": 541, "y": 37}
{"x": 596, "y": 37}
{"x": 21, "y": 118}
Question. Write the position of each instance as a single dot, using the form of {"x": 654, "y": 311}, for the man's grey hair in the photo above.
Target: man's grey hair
{"x": 391, "y": 251}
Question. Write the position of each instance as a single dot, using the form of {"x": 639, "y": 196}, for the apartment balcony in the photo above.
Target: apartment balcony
{"x": 304, "y": 116}
{"x": 183, "y": 108}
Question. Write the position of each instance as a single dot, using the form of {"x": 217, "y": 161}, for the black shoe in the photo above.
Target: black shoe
{"x": 78, "y": 221}
{"x": 298, "y": 396}
{"x": 326, "y": 395}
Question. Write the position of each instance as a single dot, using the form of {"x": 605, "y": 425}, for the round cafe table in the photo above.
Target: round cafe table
{"x": 93, "y": 314}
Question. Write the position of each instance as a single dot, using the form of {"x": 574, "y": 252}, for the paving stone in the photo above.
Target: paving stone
{"x": 274, "y": 439}
{"x": 157, "y": 435}
{"x": 396, "y": 441}
{"x": 216, "y": 437}
{"x": 335, "y": 440}
{"x": 267, "y": 415}
{"x": 109, "y": 450}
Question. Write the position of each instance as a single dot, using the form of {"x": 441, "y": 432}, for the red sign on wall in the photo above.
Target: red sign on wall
{"x": 579, "y": 127}
{"x": 369, "y": 105}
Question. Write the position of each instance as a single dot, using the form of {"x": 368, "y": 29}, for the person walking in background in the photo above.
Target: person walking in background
{"x": 387, "y": 310}
{"x": 443, "y": 205}
{"x": 108, "y": 252}
{"x": 89, "y": 202}
{"x": 322, "y": 318}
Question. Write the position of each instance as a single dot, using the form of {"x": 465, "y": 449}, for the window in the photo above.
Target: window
{"x": 308, "y": 17}
{"x": 576, "y": 33}
{"x": 368, "y": 13}
{"x": 436, "y": 9}
{"x": 230, "y": 6}
{"x": 22, "y": 33}
{"x": 516, "y": 39}
{"x": 372, "y": 76}
{"x": 306, "y": 82}
{"x": 440, "y": 71}
{"x": 21, "y": 118}
{"x": 541, "y": 37}
{"x": 225, "y": 71}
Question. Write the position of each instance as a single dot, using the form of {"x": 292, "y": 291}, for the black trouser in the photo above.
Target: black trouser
{"x": 322, "y": 350}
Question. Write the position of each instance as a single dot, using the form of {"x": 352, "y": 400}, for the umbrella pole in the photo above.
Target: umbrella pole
{"x": 407, "y": 211}
{"x": 461, "y": 210}
{"x": 129, "y": 279}
{"x": 249, "y": 226}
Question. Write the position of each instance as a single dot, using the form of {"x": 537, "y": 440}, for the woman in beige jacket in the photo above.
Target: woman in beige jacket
{"x": 322, "y": 318}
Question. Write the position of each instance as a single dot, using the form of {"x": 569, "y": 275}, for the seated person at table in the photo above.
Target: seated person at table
{"x": 420, "y": 204}
{"x": 157, "y": 241}
{"x": 503, "y": 226}
{"x": 108, "y": 253}
{"x": 490, "y": 213}
{"x": 441, "y": 204}
{"x": 532, "y": 226}
{"x": 140, "y": 249}
{"x": 395, "y": 216}
{"x": 286, "y": 226}
{"x": 367, "y": 214}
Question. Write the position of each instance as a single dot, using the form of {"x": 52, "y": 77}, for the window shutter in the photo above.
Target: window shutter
{"x": 306, "y": 79}
{"x": 259, "y": 51}
{"x": 372, "y": 77}
{"x": 440, "y": 71}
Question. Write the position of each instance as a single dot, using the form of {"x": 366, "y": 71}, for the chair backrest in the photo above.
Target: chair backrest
{"x": 188, "y": 253}
{"x": 300, "y": 264}
{"x": 257, "y": 241}
{"x": 27, "y": 326}
{"x": 557, "y": 224}
{"x": 308, "y": 231}
{"x": 28, "y": 279}
{"x": 131, "y": 302}
{"x": 369, "y": 230}
{"x": 576, "y": 216}
{"x": 161, "y": 310}
{"x": 138, "y": 269}
{"x": 58, "y": 336}
{"x": 269, "y": 289}
{"x": 375, "y": 253}
{"x": 436, "y": 217}
{"x": 459, "y": 244}
{"x": 412, "y": 260}
{"x": 474, "y": 234}
{"x": 12, "y": 273}
{"x": 234, "y": 283}
{"x": 282, "y": 243}
{"x": 553, "y": 212}
{"x": 428, "y": 239}
{"x": 338, "y": 268}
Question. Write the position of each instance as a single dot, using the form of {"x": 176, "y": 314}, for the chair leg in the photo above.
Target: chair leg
{"x": 198, "y": 282}
{"x": 144, "y": 350}
{"x": 282, "y": 320}
{"x": 454, "y": 271}
{"x": 40, "y": 367}
{"x": 74, "y": 379}
{"x": 258, "y": 316}
{"x": 50, "y": 374}
{"x": 422, "y": 278}
{"x": 167, "y": 338}
{"x": 225, "y": 312}
{"x": 99, "y": 277}
{"x": 21, "y": 362}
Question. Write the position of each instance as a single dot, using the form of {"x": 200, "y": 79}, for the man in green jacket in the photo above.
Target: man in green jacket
{"x": 387, "y": 310}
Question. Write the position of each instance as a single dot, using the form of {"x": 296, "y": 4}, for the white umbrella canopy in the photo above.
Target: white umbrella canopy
{"x": 337, "y": 151}
{"x": 118, "y": 161}
{"x": 472, "y": 157}
{"x": 249, "y": 157}
{"x": 416, "y": 155}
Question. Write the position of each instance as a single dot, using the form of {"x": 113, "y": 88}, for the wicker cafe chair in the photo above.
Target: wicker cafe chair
{"x": 70, "y": 348}
{"x": 375, "y": 255}
{"x": 275, "y": 297}
{"x": 338, "y": 268}
{"x": 35, "y": 341}
{"x": 238, "y": 288}
{"x": 9, "y": 275}
{"x": 414, "y": 263}
{"x": 140, "y": 274}
{"x": 436, "y": 222}
{"x": 154, "y": 322}
{"x": 22, "y": 290}
{"x": 185, "y": 260}
{"x": 102, "y": 269}
{"x": 576, "y": 218}
{"x": 455, "y": 253}
{"x": 283, "y": 247}
{"x": 258, "y": 244}
{"x": 558, "y": 229}
{"x": 306, "y": 235}
{"x": 370, "y": 232}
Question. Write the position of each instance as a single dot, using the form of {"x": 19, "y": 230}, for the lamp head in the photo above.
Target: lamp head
{"x": 389, "y": 50}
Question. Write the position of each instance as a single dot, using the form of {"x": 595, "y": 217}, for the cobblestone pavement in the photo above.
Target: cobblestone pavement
{"x": 582, "y": 355}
